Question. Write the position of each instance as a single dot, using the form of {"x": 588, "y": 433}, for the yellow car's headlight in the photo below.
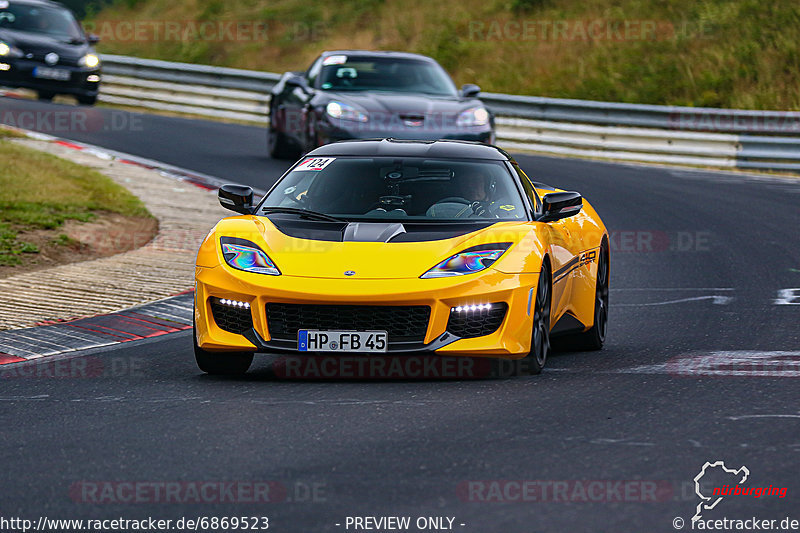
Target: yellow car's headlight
{"x": 468, "y": 261}
{"x": 89, "y": 60}
{"x": 244, "y": 255}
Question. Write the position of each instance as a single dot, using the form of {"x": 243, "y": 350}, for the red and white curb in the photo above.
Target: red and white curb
{"x": 141, "y": 322}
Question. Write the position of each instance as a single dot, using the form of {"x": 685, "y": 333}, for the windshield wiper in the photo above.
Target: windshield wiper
{"x": 301, "y": 212}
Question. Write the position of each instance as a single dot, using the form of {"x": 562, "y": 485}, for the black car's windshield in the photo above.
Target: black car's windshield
{"x": 46, "y": 20}
{"x": 357, "y": 73}
{"x": 391, "y": 188}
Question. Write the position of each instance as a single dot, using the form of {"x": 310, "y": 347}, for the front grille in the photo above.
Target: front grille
{"x": 233, "y": 319}
{"x": 468, "y": 324}
{"x": 403, "y": 323}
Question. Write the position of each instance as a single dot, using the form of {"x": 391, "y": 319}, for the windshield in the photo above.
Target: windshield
{"x": 53, "y": 21}
{"x": 349, "y": 73}
{"x": 401, "y": 189}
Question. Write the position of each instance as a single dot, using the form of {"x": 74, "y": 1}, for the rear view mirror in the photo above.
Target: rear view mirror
{"x": 558, "y": 205}
{"x": 237, "y": 198}
{"x": 92, "y": 39}
{"x": 470, "y": 90}
{"x": 297, "y": 82}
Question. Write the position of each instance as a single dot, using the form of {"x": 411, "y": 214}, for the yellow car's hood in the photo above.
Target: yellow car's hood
{"x": 363, "y": 251}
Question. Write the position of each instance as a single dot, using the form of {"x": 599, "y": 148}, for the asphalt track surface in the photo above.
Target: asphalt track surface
{"x": 698, "y": 261}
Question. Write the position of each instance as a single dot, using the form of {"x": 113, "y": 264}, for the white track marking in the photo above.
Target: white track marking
{"x": 788, "y": 297}
{"x": 742, "y": 363}
{"x": 716, "y": 300}
{"x": 677, "y": 289}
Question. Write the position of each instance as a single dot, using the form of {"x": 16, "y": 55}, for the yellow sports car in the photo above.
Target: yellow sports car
{"x": 383, "y": 247}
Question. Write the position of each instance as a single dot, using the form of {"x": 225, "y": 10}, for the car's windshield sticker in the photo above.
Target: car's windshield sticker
{"x": 334, "y": 60}
{"x": 315, "y": 163}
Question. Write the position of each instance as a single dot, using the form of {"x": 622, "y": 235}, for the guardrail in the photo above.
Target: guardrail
{"x": 606, "y": 130}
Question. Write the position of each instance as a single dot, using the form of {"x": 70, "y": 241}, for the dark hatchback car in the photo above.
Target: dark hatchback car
{"x": 42, "y": 47}
{"x": 356, "y": 94}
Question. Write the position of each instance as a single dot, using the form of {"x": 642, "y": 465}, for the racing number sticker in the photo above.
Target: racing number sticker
{"x": 315, "y": 163}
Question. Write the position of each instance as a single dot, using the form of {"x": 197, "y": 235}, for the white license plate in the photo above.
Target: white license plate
{"x": 51, "y": 73}
{"x": 342, "y": 341}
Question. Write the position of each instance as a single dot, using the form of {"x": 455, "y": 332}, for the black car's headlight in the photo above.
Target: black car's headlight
{"x": 244, "y": 255}
{"x": 342, "y": 111}
{"x": 89, "y": 60}
{"x": 9, "y": 50}
{"x": 468, "y": 261}
{"x": 474, "y": 116}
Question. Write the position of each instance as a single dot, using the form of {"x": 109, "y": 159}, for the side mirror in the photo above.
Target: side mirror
{"x": 298, "y": 82}
{"x": 558, "y": 205}
{"x": 237, "y": 198}
{"x": 93, "y": 39}
{"x": 470, "y": 90}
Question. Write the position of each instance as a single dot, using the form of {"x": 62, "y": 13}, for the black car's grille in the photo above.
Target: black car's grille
{"x": 403, "y": 323}
{"x": 39, "y": 53}
{"x": 229, "y": 318}
{"x": 476, "y": 323}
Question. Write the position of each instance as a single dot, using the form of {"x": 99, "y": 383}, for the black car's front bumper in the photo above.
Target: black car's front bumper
{"x": 20, "y": 73}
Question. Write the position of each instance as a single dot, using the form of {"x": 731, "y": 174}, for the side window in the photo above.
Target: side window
{"x": 313, "y": 72}
{"x": 529, "y": 190}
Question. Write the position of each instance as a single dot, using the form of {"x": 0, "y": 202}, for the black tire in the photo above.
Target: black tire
{"x": 312, "y": 139}
{"x": 45, "y": 96}
{"x": 87, "y": 100}
{"x": 278, "y": 144}
{"x": 222, "y": 363}
{"x": 540, "y": 334}
{"x": 595, "y": 337}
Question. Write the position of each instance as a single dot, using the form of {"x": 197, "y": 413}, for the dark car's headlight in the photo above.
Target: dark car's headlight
{"x": 8, "y": 50}
{"x": 244, "y": 255}
{"x": 89, "y": 60}
{"x": 474, "y": 116}
{"x": 342, "y": 111}
{"x": 468, "y": 261}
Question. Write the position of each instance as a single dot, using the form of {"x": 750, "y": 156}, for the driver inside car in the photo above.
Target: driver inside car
{"x": 476, "y": 199}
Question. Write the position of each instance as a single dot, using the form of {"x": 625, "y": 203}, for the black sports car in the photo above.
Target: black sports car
{"x": 42, "y": 47}
{"x": 352, "y": 94}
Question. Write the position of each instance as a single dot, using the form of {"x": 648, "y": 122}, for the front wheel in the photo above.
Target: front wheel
{"x": 223, "y": 363}
{"x": 540, "y": 337}
{"x": 87, "y": 99}
{"x": 45, "y": 96}
{"x": 278, "y": 143}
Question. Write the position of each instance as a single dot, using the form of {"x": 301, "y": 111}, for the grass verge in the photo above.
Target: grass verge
{"x": 720, "y": 53}
{"x": 39, "y": 191}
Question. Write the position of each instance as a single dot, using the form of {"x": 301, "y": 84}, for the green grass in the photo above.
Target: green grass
{"x": 725, "y": 53}
{"x": 62, "y": 239}
{"x": 7, "y": 133}
{"x": 41, "y": 191}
